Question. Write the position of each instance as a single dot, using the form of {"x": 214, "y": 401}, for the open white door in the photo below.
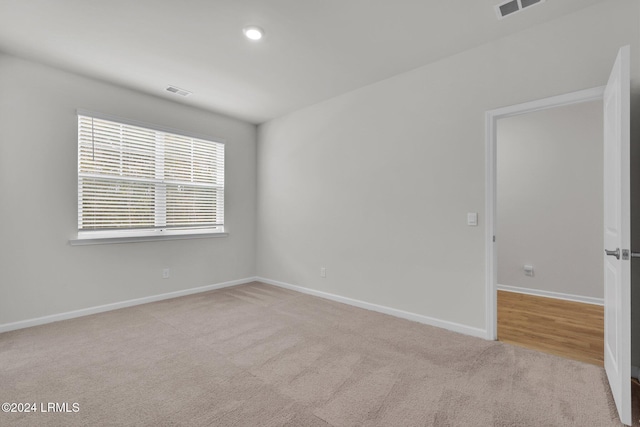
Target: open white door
{"x": 617, "y": 239}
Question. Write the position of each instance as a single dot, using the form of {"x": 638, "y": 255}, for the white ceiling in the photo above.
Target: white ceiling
{"x": 313, "y": 49}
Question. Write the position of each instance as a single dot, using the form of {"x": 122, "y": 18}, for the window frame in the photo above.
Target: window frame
{"x": 87, "y": 237}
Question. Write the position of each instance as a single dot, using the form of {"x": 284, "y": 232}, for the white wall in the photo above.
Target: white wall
{"x": 549, "y": 210}
{"x": 375, "y": 184}
{"x": 40, "y": 273}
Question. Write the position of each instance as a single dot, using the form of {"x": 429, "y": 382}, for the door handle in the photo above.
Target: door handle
{"x": 615, "y": 253}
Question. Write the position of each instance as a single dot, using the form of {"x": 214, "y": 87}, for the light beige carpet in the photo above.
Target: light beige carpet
{"x": 257, "y": 355}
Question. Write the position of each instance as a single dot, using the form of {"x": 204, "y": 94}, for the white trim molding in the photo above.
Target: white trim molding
{"x": 444, "y": 324}
{"x": 491, "y": 121}
{"x": 550, "y": 294}
{"x": 140, "y": 238}
{"x": 6, "y": 327}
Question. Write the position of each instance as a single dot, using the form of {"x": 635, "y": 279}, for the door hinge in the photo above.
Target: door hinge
{"x": 494, "y": 239}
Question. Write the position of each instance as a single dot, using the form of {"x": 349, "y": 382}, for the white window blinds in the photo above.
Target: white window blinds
{"x": 136, "y": 178}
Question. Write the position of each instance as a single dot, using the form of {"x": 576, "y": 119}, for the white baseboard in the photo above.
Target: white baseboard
{"x": 455, "y": 327}
{"x": 6, "y": 327}
{"x": 634, "y": 372}
{"x": 549, "y": 294}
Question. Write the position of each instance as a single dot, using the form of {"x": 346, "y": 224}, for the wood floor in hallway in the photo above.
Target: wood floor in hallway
{"x": 565, "y": 328}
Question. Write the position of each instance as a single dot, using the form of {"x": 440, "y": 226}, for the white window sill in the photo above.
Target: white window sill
{"x": 110, "y": 239}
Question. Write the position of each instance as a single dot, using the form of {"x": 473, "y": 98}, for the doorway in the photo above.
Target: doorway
{"x": 549, "y": 193}
{"x": 617, "y": 224}
{"x": 492, "y": 119}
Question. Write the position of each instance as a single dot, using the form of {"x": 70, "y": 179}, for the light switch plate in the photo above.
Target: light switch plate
{"x": 472, "y": 219}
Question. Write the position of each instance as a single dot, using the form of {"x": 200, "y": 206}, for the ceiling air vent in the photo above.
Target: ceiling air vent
{"x": 510, "y": 7}
{"x": 178, "y": 91}
{"x": 527, "y": 3}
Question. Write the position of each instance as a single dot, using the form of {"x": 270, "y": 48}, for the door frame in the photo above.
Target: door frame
{"x": 491, "y": 140}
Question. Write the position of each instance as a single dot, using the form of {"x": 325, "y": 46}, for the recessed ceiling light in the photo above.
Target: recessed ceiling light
{"x": 253, "y": 33}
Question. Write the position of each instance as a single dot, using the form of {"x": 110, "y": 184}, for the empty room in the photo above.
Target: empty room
{"x": 319, "y": 213}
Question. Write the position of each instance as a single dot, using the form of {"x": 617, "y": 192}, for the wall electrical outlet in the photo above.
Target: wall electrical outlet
{"x": 323, "y": 272}
{"x": 166, "y": 273}
{"x": 528, "y": 270}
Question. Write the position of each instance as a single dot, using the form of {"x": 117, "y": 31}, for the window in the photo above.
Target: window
{"x": 141, "y": 181}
